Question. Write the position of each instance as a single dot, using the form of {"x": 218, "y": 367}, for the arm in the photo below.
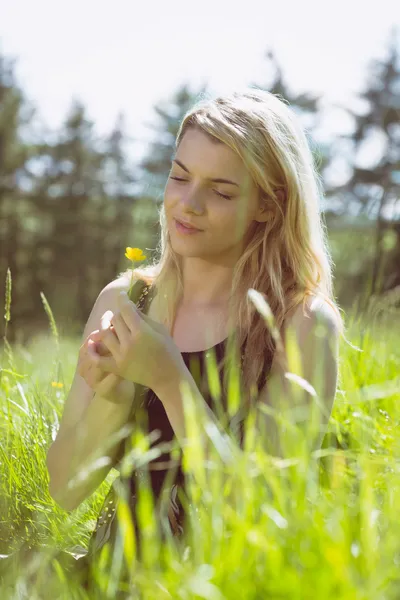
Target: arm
{"x": 302, "y": 383}
{"x": 88, "y": 421}
{"x": 81, "y": 457}
{"x": 189, "y": 414}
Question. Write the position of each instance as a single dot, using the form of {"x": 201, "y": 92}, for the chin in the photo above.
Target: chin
{"x": 184, "y": 252}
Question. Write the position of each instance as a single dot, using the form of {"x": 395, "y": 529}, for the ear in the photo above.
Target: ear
{"x": 264, "y": 213}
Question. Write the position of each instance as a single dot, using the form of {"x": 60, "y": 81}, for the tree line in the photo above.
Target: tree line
{"x": 71, "y": 200}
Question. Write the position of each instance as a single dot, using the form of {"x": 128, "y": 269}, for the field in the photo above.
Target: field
{"x": 321, "y": 526}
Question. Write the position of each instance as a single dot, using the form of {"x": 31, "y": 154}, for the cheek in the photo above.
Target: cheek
{"x": 169, "y": 205}
{"x": 227, "y": 220}
{"x": 231, "y": 222}
{"x": 171, "y": 199}
{"x": 167, "y": 195}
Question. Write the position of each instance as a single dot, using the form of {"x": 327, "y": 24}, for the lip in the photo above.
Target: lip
{"x": 187, "y": 225}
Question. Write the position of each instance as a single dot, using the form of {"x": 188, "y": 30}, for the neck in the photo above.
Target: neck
{"x": 206, "y": 284}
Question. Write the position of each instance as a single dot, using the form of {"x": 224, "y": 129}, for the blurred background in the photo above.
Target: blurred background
{"x": 91, "y": 97}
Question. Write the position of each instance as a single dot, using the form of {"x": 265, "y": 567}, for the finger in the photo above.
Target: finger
{"x": 105, "y": 320}
{"x": 155, "y": 325}
{"x": 111, "y": 342}
{"x": 90, "y": 371}
{"x": 129, "y": 308}
{"x": 87, "y": 367}
{"x": 135, "y": 318}
{"x": 95, "y": 340}
{"x": 129, "y": 312}
{"x": 89, "y": 361}
{"x": 97, "y": 375}
{"x": 102, "y": 349}
{"x": 94, "y": 335}
{"x": 121, "y": 328}
{"x": 107, "y": 384}
{"x": 108, "y": 323}
{"x": 91, "y": 344}
{"x": 159, "y": 327}
{"x": 107, "y": 344}
{"x": 105, "y": 363}
{"x": 97, "y": 337}
{"x": 91, "y": 350}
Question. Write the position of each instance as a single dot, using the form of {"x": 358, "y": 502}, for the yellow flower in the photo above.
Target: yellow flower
{"x": 134, "y": 254}
{"x": 57, "y": 384}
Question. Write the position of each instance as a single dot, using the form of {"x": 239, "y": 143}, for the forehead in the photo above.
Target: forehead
{"x": 209, "y": 157}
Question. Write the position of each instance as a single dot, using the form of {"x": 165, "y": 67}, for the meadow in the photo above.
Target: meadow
{"x": 319, "y": 525}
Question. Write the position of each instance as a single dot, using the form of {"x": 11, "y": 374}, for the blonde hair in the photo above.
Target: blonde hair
{"x": 287, "y": 257}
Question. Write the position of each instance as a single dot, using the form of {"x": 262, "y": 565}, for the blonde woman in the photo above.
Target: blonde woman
{"x": 241, "y": 212}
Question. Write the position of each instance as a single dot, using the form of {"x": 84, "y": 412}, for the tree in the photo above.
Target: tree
{"x": 305, "y": 105}
{"x": 70, "y": 182}
{"x": 374, "y": 190}
{"x": 15, "y": 113}
{"x": 118, "y": 202}
{"x": 157, "y": 163}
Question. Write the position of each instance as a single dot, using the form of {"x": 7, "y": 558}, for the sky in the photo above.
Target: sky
{"x": 127, "y": 55}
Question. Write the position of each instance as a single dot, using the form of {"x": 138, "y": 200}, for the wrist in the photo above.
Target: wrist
{"x": 122, "y": 394}
{"x": 169, "y": 385}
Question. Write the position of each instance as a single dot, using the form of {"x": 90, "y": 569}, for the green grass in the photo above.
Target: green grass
{"x": 322, "y": 526}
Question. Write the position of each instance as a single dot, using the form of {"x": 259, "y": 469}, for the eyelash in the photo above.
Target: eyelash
{"x": 218, "y": 193}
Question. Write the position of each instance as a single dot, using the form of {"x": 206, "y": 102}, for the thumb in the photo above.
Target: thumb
{"x": 105, "y": 321}
{"x": 159, "y": 327}
{"x": 123, "y": 297}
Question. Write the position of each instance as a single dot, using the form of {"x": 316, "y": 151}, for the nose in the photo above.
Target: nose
{"x": 191, "y": 201}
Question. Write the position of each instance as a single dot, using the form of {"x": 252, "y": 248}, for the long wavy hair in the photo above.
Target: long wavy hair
{"x": 286, "y": 258}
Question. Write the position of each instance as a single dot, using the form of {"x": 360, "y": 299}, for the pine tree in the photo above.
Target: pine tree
{"x": 157, "y": 162}
{"x": 70, "y": 184}
{"x": 118, "y": 205}
{"x": 374, "y": 191}
{"x": 15, "y": 113}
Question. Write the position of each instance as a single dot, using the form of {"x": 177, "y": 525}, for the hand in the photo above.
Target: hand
{"x": 107, "y": 385}
{"x": 141, "y": 349}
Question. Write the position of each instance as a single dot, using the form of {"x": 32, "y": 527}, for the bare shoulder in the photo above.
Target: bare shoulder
{"x": 315, "y": 327}
{"x": 107, "y": 299}
{"x": 315, "y": 314}
{"x": 121, "y": 283}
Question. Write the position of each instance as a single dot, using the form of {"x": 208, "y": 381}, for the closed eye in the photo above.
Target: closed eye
{"x": 218, "y": 193}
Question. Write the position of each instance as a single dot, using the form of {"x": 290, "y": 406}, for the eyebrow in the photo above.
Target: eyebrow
{"x": 218, "y": 180}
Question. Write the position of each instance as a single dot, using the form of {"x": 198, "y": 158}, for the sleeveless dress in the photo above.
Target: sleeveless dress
{"x": 158, "y": 425}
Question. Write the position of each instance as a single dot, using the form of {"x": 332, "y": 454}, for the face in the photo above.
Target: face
{"x": 224, "y": 212}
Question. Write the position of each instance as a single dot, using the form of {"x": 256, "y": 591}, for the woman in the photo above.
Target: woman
{"x": 240, "y": 212}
